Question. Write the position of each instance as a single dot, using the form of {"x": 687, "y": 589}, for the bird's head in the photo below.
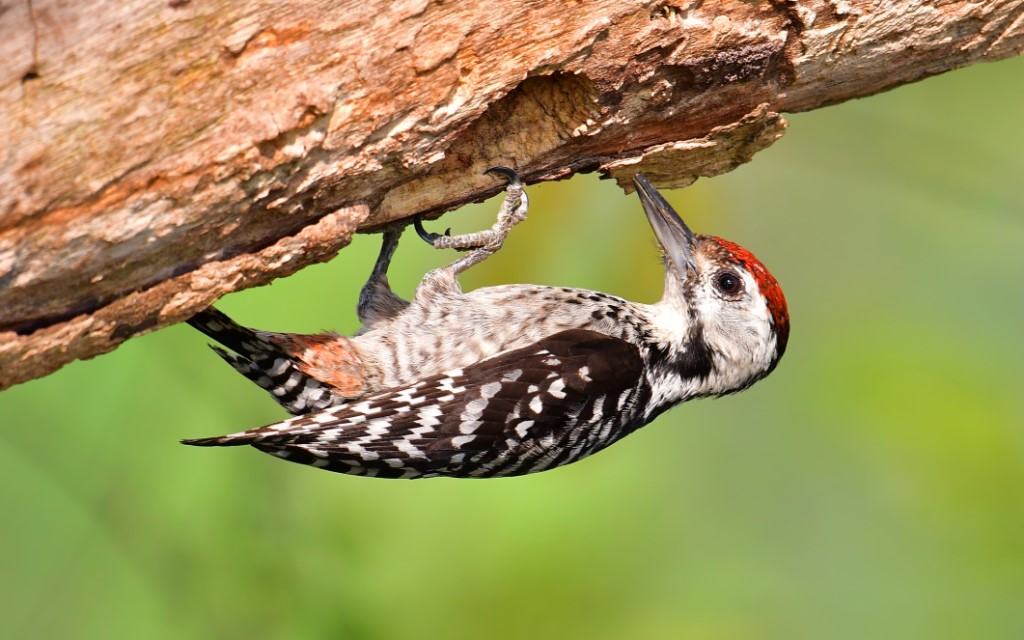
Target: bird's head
{"x": 723, "y": 317}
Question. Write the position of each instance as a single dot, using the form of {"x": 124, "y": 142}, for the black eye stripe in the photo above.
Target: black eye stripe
{"x": 728, "y": 282}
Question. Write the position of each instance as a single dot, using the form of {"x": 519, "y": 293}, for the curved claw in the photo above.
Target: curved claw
{"x": 508, "y": 174}
{"x": 427, "y": 237}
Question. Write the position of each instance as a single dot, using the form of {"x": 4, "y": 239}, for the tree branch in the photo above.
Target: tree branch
{"x": 157, "y": 156}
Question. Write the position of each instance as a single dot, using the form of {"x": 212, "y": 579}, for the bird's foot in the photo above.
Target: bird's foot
{"x": 512, "y": 212}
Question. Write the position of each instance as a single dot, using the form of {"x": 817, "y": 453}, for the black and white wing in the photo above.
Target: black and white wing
{"x": 521, "y": 411}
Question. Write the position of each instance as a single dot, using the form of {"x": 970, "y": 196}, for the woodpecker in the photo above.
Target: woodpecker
{"x": 514, "y": 379}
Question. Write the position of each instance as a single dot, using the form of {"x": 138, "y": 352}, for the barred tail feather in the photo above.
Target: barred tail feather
{"x": 229, "y": 440}
{"x": 276, "y": 363}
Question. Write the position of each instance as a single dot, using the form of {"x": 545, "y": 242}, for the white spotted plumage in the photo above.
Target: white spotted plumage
{"x": 410, "y": 424}
{"x": 538, "y": 377}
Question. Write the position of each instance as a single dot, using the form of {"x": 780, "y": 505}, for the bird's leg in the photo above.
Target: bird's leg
{"x": 483, "y": 244}
{"x": 376, "y": 299}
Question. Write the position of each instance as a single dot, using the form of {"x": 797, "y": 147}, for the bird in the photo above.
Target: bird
{"x": 513, "y": 379}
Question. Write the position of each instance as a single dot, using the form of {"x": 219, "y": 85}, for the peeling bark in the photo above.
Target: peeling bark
{"x": 156, "y": 156}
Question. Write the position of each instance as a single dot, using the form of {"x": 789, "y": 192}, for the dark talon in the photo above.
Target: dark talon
{"x": 429, "y": 238}
{"x": 508, "y": 174}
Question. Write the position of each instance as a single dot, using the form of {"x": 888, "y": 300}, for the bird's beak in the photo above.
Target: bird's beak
{"x": 675, "y": 237}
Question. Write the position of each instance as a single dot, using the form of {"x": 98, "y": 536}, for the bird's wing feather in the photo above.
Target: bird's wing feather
{"x": 498, "y": 416}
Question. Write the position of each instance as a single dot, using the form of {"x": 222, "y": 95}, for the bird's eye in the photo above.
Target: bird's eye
{"x": 728, "y": 283}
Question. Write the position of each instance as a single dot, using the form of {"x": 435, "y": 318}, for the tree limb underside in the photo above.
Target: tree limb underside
{"x": 159, "y": 155}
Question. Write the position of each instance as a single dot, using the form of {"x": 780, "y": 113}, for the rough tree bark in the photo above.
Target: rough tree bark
{"x": 155, "y": 156}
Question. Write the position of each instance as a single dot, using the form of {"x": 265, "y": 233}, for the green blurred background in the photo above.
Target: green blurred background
{"x": 872, "y": 487}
